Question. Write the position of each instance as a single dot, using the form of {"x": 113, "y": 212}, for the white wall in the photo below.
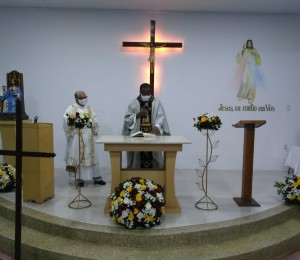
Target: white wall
{"x": 61, "y": 51}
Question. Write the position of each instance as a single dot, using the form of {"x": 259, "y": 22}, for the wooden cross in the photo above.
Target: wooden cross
{"x": 153, "y": 45}
{"x": 19, "y": 154}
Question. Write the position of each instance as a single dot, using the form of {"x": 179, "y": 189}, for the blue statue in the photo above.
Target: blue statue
{"x": 11, "y": 94}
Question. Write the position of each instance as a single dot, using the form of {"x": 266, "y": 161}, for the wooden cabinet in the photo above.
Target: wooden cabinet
{"x": 38, "y": 173}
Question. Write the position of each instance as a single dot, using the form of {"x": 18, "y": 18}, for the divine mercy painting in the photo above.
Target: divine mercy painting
{"x": 248, "y": 76}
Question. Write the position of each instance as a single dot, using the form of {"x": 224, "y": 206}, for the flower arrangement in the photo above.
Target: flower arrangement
{"x": 290, "y": 189}
{"x": 7, "y": 177}
{"x": 137, "y": 202}
{"x": 79, "y": 120}
{"x": 208, "y": 122}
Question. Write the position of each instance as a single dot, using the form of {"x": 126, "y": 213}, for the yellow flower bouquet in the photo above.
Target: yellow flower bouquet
{"x": 289, "y": 189}
{"x": 80, "y": 120}
{"x": 207, "y": 122}
{"x": 137, "y": 202}
{"x": 7, "y": 178}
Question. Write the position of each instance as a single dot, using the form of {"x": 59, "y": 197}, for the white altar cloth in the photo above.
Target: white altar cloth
{"x": 293, "y": 159}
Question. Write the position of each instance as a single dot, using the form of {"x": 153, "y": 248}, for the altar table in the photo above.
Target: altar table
{"x": 169, "y": 145}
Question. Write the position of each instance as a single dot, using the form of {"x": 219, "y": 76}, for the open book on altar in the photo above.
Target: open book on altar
{"x": 141, "y": 134}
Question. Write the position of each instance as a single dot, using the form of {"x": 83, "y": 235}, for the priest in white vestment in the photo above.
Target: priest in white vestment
{"x": 87, "y": 157}
{"x": 145, "y": 113}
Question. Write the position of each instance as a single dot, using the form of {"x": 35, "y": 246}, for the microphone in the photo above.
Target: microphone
{"x": 35, "y": 119}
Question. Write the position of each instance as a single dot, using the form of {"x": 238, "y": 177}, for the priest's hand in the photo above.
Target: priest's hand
{"x": 155, "y": 130}
{"x": 143, "y": 112}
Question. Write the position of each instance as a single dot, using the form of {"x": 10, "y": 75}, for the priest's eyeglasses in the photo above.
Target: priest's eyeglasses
{"x": 80, "y": 98}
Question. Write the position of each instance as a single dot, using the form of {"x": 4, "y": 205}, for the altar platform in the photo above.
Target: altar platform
{"x": 52, "y": 230}
{"x": 222, "y": 187}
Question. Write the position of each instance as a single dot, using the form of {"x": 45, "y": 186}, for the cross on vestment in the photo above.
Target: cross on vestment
{"x": 19, "y": 154}
{"x": 153, "y": 45}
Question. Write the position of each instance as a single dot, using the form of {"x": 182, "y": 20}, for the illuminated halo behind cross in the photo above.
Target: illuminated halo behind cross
{"x": 153, "y": 45}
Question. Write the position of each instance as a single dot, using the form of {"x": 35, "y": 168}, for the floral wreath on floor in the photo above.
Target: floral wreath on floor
{"x": 207, "y": 122}
{"x": 137, "y": 202}
{"x": 289, "y": 189}
{"x": 79, "y": 120}
{"x": 7, "y": 178}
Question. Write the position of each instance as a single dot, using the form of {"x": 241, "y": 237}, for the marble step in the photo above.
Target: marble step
{"x": 264, "y": 235}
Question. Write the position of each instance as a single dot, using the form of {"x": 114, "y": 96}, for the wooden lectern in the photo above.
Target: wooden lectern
{"x": 38, "y": 173}
{"x": 249, "y": 133}
{"x": 8, "y": 137}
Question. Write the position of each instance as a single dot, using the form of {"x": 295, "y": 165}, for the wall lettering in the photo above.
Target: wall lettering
{"x": 249, "y": 108}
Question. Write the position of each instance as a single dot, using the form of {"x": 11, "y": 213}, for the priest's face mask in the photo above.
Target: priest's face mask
{"x": 145, "y": 93}
{"x": 81, "y": 99}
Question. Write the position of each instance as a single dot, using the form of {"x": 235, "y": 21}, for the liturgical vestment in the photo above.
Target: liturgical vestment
{"x": 89, "y": 163}
{"x": 132, "y": 125}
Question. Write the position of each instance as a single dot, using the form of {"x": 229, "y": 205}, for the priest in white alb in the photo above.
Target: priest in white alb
{"x": 81, "y": 151}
